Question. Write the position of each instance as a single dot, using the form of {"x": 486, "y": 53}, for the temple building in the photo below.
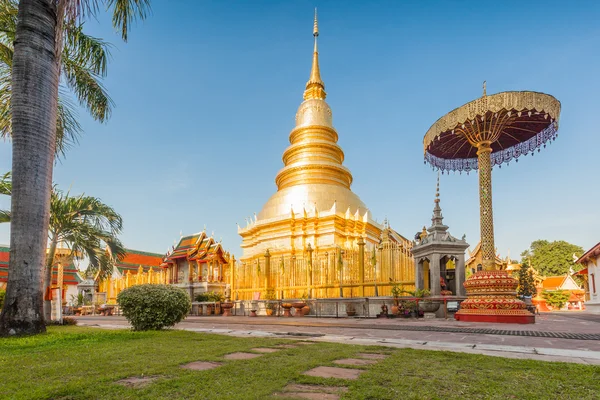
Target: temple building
{"x": 314, "y": 226}
{"x": 198, "y": 263}
{"x": 590, "y": 260}
{"x": 64, "y": 273}
{"x": 135, "y": 268}
{"x": 475, "y": 263}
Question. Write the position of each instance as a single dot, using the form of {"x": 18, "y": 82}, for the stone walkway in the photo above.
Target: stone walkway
{"x": 555, "y": 337}
{"x": 292, "y": 390}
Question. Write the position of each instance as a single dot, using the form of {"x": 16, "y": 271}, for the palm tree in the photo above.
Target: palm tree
{"x": 38, "y": 46}
{"x": 89, "y": 228}
{"x": 83, "y": 64}
{"x": 5, "y": 189}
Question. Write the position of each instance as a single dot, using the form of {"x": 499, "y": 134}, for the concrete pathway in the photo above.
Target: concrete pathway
{"x": 449, "y": 335}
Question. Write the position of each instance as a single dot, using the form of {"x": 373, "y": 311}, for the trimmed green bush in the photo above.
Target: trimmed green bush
{"x": 2, "y": 294}
{"x": 153, "y": 307}
{"x": 210, "y": 296}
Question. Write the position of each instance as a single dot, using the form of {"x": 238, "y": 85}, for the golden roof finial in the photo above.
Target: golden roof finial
{"x": 484, "y": 89}
{"x": 315, "y": 88}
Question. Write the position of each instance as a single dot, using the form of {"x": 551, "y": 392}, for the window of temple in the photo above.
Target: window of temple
{"x": 479, "y": 267}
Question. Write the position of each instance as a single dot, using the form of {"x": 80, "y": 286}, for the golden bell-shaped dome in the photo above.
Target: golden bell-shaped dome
{"x": 313, "y": 175}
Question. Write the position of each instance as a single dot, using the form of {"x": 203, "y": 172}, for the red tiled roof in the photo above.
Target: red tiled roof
{"x": 70, "y": 272}
{"x": 134, "y": 259}
{"x": 591, "y": 252}
{"x": 552, "y": 282}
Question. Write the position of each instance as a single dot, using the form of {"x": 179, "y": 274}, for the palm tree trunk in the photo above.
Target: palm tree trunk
{"x": 48, "y": 277}
{"x": 34, "y": 106}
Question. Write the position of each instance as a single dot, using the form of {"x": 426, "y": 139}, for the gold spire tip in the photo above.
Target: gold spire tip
{"x": 484, "y": 89}
{"x": 316, "y": 25}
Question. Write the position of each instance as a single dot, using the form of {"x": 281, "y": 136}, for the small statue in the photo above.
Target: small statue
{"x": 228, "y": 293}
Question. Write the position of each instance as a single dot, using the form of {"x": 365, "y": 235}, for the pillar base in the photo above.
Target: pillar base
{"x": 496, "y": 317}
{"x": 492, "y": 298}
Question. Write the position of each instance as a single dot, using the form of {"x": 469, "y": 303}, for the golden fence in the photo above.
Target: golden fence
{"x": 113, "y": 286}
{"x": 340, "y": 272}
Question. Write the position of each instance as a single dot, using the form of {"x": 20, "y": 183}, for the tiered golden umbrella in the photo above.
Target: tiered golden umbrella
{"x": 489, "y": 131}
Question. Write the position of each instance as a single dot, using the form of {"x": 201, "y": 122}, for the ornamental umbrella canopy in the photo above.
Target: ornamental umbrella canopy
{"x": 489, "y": 131}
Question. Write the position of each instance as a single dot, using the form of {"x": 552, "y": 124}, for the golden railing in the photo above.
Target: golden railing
{"x": 113, "y": 286}
{"x": 327, "y": 274}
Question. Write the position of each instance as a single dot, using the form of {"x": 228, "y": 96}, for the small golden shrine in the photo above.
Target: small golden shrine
{"x": 314, "y": 236}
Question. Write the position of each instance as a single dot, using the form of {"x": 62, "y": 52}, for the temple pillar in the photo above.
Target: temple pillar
{"x": 232, "y": 272}
{"x": 434, "y": 277}
{"x": 267, "y": 270}
{"x": 190, "y": 272}
{"x": 460, "y": 275}
{"x": 419, "y": 283}
{"x": 361, "y": 267}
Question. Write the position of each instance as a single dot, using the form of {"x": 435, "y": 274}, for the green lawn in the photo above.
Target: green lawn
{"x": 84, "y": 363}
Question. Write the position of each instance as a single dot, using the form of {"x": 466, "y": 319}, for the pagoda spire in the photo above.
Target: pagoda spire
{"x": 315, "y": 88}
{"x": 436, "y": 220}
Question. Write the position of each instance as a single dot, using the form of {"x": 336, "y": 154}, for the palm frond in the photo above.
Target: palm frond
{"x": 4, "y": 216}
{"x": 89, "y": 90}
{"x": 6, "y": 54}
{"x": 8, "y": 20}
{"x": 125, "y": 12}
{"x": 5, "y": 93}
{"x": 68, "y": 129}
{"x": 89, "y": 227}
{"x": 85, "y": 50}
{"x": 6, "y": 184}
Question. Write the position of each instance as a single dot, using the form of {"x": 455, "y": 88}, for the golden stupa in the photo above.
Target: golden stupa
{"x": 313, "y": 218}
{"x": 313, "y": 203}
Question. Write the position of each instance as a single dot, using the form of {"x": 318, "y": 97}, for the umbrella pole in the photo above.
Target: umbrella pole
{"x": 486, "y": 222}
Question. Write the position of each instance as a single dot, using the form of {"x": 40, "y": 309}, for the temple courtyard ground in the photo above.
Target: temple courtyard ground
{"x": 81, "y": 363}
{"x": 568, "y": 337}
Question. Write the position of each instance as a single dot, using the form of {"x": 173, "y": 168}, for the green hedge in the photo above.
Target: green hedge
{"x": 2, "y": 295}
{"x": 153, "y": 307}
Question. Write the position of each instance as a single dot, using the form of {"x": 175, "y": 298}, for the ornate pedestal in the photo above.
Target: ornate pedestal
{"x": 286, "y": 309}
{"x": 492, "y": 298}
{"x": 299, "y": 307}
{"x": 227, "y": 309}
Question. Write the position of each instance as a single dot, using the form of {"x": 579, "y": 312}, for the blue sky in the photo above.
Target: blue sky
{"x": 206, "y": 93}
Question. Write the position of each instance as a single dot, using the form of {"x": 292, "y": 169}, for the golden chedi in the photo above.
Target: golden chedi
{"x": 314, "y": 213}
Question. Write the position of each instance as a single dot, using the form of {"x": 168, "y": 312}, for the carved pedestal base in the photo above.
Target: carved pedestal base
{"x": 492, "y": 298}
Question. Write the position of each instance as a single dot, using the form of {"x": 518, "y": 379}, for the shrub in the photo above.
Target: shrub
{"x": 153, "y": 307}
{"x": 2, "y": 294}
{"x": 556, "y": 298}
{"x": 210, "y": 296}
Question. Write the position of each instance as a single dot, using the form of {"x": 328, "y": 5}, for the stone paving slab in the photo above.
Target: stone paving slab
{"x": 241, "y": 356}
{"x": 299, "y": 387}
{"x": 201, "y": 365}
{"x": 308, "y": 395}
{"x": 372, "y": 356}
{"x": 138, "y": 381}
{"x": 354, "y": 361}
{"x": 265, "y": 350}
{"x": 334, "y": 372}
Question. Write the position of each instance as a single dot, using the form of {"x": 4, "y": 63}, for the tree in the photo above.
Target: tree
{"x": 5, "y": 189}
{"x": 88, "y": 227}
{"x": 83, "y": 64}
{"x": 552, "y": 258}
{"x": 556, "y": 298}
{"x": 36, "y": 61}
{"x": 526, "y": 282}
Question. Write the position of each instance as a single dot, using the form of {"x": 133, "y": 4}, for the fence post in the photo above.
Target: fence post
{"x": 267, "y": 270}
{"x": 309, "y": 249}
{"x": 361, "y": 268}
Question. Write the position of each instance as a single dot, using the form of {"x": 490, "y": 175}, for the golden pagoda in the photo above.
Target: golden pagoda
{"x": 314, "y": 221}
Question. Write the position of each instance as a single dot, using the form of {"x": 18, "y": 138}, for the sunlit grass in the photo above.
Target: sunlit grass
{"x": 84, "y": 363}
